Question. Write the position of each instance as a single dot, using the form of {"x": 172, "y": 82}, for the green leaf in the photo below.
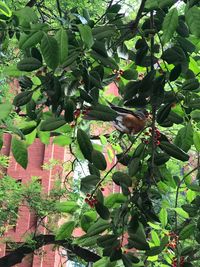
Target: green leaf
{"x": 175, "y": 73}
{"x": 20, "y": 152}
{"x": 89, "y": 182}
{"x": 184, "y": 138}
{"x": 130, "y": 74}
{"x": 67, "y": 206}
{"x": 115, "y": 198}
{"x": 86, "y": 35}
{"x": 98, "y": 227}
{"x": 107, "y": 240}
{"x": 102, "y": 210}
{"x": 62, "y": 140}
{"x": 155, "y": 238}
{"x": 104, "y": 262}
{"x": 87, "y": 219}
{"x": 174, "y": 151}
{"x": 128, "y": 259}
{"x": 22, "y": 98}
{"x": 62, "y": 40}
{"x": 121, "y": 178}
{"x": 191, "y": 84}
{"x": 163, "y": 113}
{"x": 138, "y": 239}
{"x": 51, "y": 124}
{"x": 163, "y": 217}
{"x": 69, "y": 110}
{"x": 169, "y": 25}
{"x": 30, "y": 40}
{"x": 192, "y": 17}
{"x": 50, "y": 51}
{"x": 134, "y": 166}
{"x": 98, "y": 160}
{"x": 181, "y": 212}
{"x": 196, "y": 139}
{"x": 187, "y": 231}
{"x": 29, "y": 64}
{"x": 102, "y": 113}
{"x": 5, "y": 10}
{"x": 65, "y": 231}
{"x": 174, "y": 55}
{"x": 85, "y": 144}
{"x": 5, "y": 109}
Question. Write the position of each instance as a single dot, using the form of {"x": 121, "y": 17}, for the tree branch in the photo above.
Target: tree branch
{"x": 41, "y": 240}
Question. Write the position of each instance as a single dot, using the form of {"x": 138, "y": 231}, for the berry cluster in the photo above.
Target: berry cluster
{"x": 175, "y": 264}
{"x": 91, "y": 200}
{"x": 173, "y": 240}
{"x": 119, "y": 73}
{"x": 156, "y": 137}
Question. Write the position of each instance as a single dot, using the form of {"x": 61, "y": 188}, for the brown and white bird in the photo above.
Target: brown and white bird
{"x": 127, "y": 121}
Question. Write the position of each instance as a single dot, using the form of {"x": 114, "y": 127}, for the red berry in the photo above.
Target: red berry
{"x": 102, "y": 189}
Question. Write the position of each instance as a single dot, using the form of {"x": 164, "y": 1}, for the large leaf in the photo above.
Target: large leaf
{"x": 174, "y": 151}
{"x": 115, "y": 198}
{"x": 67, "y": 206}
{"x": 62, "y": 140}
{"x": 187, "y": 231}
{"x": 5, "y": 109}
{"x": 98, "y": 227}
{"x": 30, "y": 40}
{"x": 101, "y": 112}
{"x": 62, "y": 39}
{"x": 29, "y": 64}
{"x": 85, "y": 144}
{"x": 184, "y": 138}
{"x": 87, "y": 219}
{"x": 51, "y": 124}
{"x": 193, "y": 20}
{"x": 89, "y": 182}
{"x": 86, "y": 35}
{"x": 50, "y": 51}
{"x": 196, "y": 139}
{"x": 65, "y": 230}
{"x": 5, "y": 10}
{"x": 22, "y": 98}
{"x": 169, "y": 25}
{"x": 102, "y": 210}
{"x": 19, "y": 151}
{"x": 174, "y": 55}
{"x": 98, "y": 160}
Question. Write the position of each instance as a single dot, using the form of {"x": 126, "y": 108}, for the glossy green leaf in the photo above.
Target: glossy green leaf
{"x": 20, "y": 152}
{"x": 67, "y": 206}
{"x": 115, "y": 198}
{"x": 101, "y": 112}
{"x": 122, "y": 178}
{"x": 88, "y": 183}
{"x": 86, "y": 35}
{"x": 5, "y": 10}
{"x": 174, "y": 55}
{"x": 169, "y": 25}
{"x": 102, "y": 210}
{"x": 187, "y": 231}
{"x": 134, "y": 166}
{"x": 163, "y": 217}
{"x": 62, "y": 140}
{"x": 65, "y": 231}
{"x": 50, "y": 51}
{"x": 98, "y": 227}
{"x": 29, "y": 64}
{"x": 87, "y": 219}
{"x": 62, "y": 40}
{"x": 174, "y": 151}
{"x": 193, "y": 20}
{"x": 30, "y": 40}
{"x": 85, "y": 144}
{"x": 22, "y": 98}
{"x": 184, "y": 138}
{"x": 99, "y": 160}
{"x": 51, "y": 124}
{"x": 196, "y": 139}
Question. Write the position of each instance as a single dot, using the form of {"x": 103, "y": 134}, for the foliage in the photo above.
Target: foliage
{"x": 64, "y": 63}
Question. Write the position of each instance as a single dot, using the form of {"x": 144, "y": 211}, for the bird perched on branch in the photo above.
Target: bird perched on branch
{"x": 125, "y": 120}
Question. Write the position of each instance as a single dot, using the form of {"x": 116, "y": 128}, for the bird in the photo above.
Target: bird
{"x": 127, "y": 121}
